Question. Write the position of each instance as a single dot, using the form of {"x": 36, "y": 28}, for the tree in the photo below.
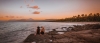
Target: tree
{"x": 82, "y": 15}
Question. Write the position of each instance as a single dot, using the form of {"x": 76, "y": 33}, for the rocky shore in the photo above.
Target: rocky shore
{"x": 89, "y": 33}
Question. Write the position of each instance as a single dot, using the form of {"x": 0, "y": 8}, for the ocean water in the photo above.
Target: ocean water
{"x": 17, "y": 32}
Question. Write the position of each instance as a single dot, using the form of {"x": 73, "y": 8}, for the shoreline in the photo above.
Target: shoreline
{"x": 89, "y": 34}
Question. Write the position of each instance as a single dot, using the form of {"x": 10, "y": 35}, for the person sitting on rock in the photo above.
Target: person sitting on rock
{"x": 42, "y": 30}
{"x": 38, "y": 30}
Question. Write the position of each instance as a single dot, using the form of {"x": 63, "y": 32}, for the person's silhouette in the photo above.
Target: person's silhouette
{"x": 38, "y": 30}
{"x": 42, "y": 30}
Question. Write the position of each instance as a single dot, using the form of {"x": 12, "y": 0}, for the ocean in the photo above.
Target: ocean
{"x": 17, "y": 32}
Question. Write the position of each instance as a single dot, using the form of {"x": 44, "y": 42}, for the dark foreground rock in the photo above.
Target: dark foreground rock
{"x": 80, "y": 34}
{"x": 37, "y": 38}
{"x": 85, "y": 36}
{"x": 86, "y": 27}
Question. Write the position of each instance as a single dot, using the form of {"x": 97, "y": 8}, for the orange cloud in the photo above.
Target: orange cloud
{"x": 36, "y": 12}
{"x": 12, "y": 16}
{"x": 6, "y": 16}
{"x": 18, "y": 17}
{"x": 9, "y": 16}
{"x": 34, "y": 7}
{"x": 1, "y": 17}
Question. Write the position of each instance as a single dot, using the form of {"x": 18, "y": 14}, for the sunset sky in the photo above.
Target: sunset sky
{"x": 46, "y": 9}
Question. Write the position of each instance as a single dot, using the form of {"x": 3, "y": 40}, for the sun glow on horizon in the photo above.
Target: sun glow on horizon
{"x": 46, "y": 9}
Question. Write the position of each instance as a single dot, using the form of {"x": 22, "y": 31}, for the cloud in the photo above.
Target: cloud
{"x": 21, "y": 7}
{"x": 36, "y": 12}
{"x": 34, "y": 7}
{"x": 25, "y": 1}
{"x": 1, "y": 17}
{"x": 18, "y": 17}
{"x": 32, "y": 0}
{"x": 28, "y": 5}
{"x": 29, "y": 10}
{"x": 7, "y": 16}
{"x": 12, "y": 17}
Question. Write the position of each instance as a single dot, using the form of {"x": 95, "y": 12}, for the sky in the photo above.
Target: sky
{"x": 46, "y": 9}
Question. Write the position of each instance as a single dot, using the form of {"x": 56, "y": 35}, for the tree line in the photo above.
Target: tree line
{"x": 81, "y": 18}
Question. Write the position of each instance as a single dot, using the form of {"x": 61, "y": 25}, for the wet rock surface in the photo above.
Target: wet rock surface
{"x": 80, "y": 34}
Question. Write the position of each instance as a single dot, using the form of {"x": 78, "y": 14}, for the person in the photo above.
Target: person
{"x": 38, "y": 30}
{"x": 42, "y": 30}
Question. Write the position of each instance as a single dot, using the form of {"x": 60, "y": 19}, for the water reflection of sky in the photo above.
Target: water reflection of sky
{"x": 16, "y": 32}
